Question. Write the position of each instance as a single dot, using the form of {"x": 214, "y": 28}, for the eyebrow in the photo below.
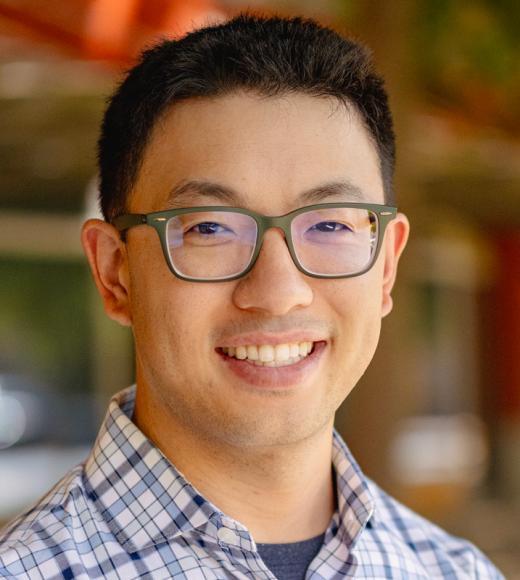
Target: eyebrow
{"x": 187, "y": 192}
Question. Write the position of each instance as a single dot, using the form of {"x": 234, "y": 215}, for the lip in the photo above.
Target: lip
{"x": 278, "y": 378}
{"x": 259, "y": 338}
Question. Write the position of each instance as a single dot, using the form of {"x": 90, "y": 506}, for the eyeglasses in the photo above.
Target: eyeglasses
{"x": 218, "y": 244}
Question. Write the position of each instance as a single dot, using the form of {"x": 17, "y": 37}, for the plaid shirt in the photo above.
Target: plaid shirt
{"x": 128, "y": 513}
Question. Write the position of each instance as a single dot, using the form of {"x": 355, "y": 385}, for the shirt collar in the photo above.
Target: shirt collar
{"x": 145, "y": 500}
{"x": 356, "y": 506}
{"x": 142, "y": 497}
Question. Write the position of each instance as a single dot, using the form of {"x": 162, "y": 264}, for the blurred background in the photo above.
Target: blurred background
{"x": 436, "y": 418}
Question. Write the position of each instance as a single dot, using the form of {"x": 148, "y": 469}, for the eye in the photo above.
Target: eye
{"x": 330, "y": 227}
{"x": 208, "y": 228}
{"x": 208, "y": 233}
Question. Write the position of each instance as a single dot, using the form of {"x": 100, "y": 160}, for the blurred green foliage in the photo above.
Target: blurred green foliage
{"x": 462, "y": 56}
{"x": 48, "y": 151}
{"x": 44, "y": 322}
{"x": 468, "y": 56}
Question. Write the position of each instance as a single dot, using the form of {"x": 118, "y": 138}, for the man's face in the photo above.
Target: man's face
{"x": 269, "y": 151}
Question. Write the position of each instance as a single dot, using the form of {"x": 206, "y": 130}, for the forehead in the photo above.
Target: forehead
{"x": 267, "y": 150}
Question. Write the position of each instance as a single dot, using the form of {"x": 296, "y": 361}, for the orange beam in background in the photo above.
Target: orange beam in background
{"x": 108, "y": 25}
{"x": 39, "y": 27}
{"x": 110, "y": 30}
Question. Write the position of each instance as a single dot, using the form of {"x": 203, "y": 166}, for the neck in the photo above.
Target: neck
{"x": 281, "y": 493}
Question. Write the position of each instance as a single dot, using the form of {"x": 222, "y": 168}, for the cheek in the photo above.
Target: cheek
{"x": 357, "y": 301}
{"x": 171, "y": 320}
{"x": 368, "y": 310}
{"x": 357, "y": 304}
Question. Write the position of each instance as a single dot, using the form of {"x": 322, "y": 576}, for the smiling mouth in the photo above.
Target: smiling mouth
{"x": 268, "y": 355}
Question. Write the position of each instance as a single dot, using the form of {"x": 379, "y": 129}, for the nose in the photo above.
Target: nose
{"x": 274, "y": 286}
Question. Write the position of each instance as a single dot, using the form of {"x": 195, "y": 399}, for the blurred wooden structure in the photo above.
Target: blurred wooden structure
{"x": 107, "y": 30}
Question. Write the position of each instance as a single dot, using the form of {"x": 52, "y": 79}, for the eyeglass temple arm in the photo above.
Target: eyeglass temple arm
{"x": 124, "y": 222}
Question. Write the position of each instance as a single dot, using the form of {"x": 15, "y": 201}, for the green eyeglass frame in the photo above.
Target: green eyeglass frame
{"x": 159, "y": 220}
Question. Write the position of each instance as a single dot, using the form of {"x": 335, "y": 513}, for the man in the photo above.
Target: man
{"x": 261, "y": 152}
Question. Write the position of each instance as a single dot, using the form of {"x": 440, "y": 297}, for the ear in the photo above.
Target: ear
{"x": 395, "y": 240}
{"x": 106, "y": 254}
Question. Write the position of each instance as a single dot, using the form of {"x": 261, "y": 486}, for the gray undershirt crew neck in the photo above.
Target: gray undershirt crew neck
{"x": 290, "y": 561}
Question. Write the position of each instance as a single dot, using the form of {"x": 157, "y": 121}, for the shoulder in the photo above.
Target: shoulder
{"x": 49, "y": 528}
{"x": 442, "y": 555}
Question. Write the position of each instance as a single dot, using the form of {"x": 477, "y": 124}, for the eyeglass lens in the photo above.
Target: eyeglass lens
{"x": 221, "y": 244}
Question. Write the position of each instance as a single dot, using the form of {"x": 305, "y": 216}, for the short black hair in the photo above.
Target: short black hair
{"x": 266, "y": 55}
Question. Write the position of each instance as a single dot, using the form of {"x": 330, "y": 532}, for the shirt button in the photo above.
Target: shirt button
{"x": 226, "y": 535}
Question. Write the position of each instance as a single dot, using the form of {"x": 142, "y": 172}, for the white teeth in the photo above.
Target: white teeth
{"x": 266, "y": 353}
{"x": 252, "y": 352}
{"x": 270, "y": 355}
{"x": 241, "y": 352}
{"x": 274, "y": 363}
{"x": 295, "y": 350}
{"x": 282, "y": 352}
